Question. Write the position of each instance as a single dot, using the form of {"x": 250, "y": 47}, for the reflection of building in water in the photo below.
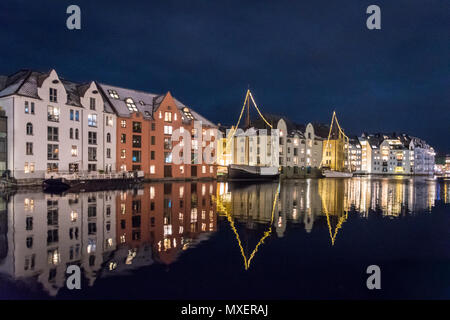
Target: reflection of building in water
{"x": 47, "y": 233}
{"x": 104, "y": 233}
{"x": 304, "y": 201}
{"x": 163, "y": 219}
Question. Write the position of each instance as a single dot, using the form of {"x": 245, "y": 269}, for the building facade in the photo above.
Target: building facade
{"x": 55, "y": 125}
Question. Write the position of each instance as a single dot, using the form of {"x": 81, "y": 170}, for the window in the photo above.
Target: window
{"x": 92, "y": 103}
{"x": 181, "y": 171}
{"x": 123, "y": 123}
{"x": 92, "y": 120}
{"x": 167, "y": 143}
{"x": 77, "y": 135}
{"x": 168, "y": 116}
{"x": 108, "y": 137}
{"x": 74, "y": 151}
{"x": 136, "y": 156}
{"x": 92, "y": 154}
{"x": 52, "y": 133}
{"x": 137, "y": 127}
{"x": 153, "y": 140}
{"x": 108, "y": 153}
{"x": 130, "y": 104}
{"x": 29, "y": 223}
{"x": 153, "y": 126}
{"x": 188, "y": 114}
{"x": 27, "y": 107}
{"x": 53, "y": 95}
{"x": 92, "y": 137}
{"x": 52, "y": 152}
{"x": 123, "y": 138}
{"x": 122, "y": 155}
{"x": 52, "y": 167}
{"x": 29, "y": 167}
{"x": 29, "y": 129}
{"x": 113, "y": 94}
{"x": 72, "y": 115}
{"x": 71, "y": 133}
{"x": 109, "y": 121}
{"x": 152, "y": 155}
{"x": 92, "y": 167}
{"x": 152, "y": 169}
{"x": 136, "y": 141}
{"x": 168, "y": 157}
{"x": 203, "y": 169}
{"x": 77, "y": 115}
{"x": 167, "y": 129}
{"x": 53, "y": 113}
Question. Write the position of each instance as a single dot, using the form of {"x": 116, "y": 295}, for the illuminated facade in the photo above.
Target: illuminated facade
{"x": 55, "y": 125}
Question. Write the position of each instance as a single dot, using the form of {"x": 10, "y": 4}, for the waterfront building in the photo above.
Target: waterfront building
{"x": 145, "y": 143}
{"x": 300, "y": 148}
{"x": 55, "y": 125}
{"x": 255, "y": 147}
{"x": 353, "y": 159}
{"x": 3, "y": 141}
{"x": 395, "y": 154}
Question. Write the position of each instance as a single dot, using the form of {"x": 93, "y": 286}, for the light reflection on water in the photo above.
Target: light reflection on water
{"x": 115, "y": 233}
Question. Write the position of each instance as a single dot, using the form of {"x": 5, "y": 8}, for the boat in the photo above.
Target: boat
{"x": 336, "y": 174}
{"x": 338, "y": 170}
{"x": 74, "y": 182}
{"x": 246, "y": 172}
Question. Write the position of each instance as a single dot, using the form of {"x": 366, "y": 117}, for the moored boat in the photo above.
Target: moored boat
{"x": 337, "y": 174}
{"x": 246, "y": 172}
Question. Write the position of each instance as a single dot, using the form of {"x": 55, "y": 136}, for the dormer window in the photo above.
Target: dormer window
{"x": 53, "y": 95}
{"x": 130, "y": 105}
{"x": 113, "y": 94}
{"x": 188, "y": 113}
{"x": 141, "y": 102}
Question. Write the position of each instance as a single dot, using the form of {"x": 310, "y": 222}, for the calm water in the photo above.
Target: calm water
{"x": 212, "y": 240}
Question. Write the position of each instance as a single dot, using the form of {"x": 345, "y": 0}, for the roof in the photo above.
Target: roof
{"x": 26, "y": 83}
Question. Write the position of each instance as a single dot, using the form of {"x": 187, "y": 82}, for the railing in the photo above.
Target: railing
{"x": 94, "y": 175}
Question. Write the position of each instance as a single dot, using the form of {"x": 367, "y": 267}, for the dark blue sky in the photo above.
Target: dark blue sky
{"x": 301, "y": 58}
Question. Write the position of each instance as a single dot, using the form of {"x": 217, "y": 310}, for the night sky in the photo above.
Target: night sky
{"x": 301, "y": 59}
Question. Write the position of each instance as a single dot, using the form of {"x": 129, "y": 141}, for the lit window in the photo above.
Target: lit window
{"x": 74, "y": 151}
{"x": 130, "y": 104}
{"x": 53, "y": 113}
{"x": 167, "y": 129}
{"x": 188, "y": 113}
{"x": 182, "y": 169}
{"x": 152, "y": 169}
{"x": 168, "y": 116}
{"x": 122, "y": 155}
{"x": 113, "y": 94}
{"x": 92, "y": 120}
{"x": 123, "y": 123}
{"x": 203, "y": 169}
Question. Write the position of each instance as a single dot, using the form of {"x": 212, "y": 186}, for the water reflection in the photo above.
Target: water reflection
{"x": 105, "y": 233}
{"x": 113, "y": 233}
{"x": 307, "y": 201}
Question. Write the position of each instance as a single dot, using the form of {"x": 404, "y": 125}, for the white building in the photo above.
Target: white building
{"x": 395, "y": 154}
{"x": 56, "y": 125}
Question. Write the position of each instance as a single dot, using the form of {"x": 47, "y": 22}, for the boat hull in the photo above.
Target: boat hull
{"x": 252, "y": 173}
{"x": 337, "y": 174}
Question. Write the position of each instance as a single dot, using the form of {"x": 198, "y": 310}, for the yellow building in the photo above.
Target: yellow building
{"x": 334, "y": 152}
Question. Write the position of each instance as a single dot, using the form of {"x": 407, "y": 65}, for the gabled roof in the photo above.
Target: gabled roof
{"x": 143, "y": 101}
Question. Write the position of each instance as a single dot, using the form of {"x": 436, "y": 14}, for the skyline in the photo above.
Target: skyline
{"x": 294, "y": 56}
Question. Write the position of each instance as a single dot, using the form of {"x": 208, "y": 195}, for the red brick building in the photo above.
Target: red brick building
{"x": 145, "y": 123}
